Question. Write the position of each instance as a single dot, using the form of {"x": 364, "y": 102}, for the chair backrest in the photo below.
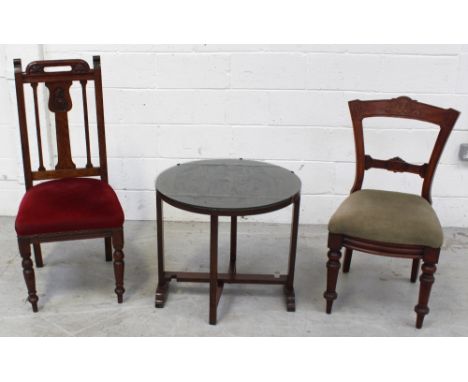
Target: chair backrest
{"x": 401, "y": 107}
{"x": 58, "y": 83}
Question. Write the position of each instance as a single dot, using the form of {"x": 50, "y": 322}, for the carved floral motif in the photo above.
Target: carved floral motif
{"x": 36, "y": 68}
{"x": 80, "y": 68}
{"x": 404, "y": 105}
{"x": 58, "y": 100}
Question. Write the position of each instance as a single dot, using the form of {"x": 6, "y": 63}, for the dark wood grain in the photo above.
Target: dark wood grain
{"x": 216, "y": 279}
{"x": 333, "y": 267}
{"x": 38, "y": 255}
{"x": 289, "y": 287}
{"x": 396, "y": 165}
{"x": 401, "y": 107}
{"x": 233, "y": 247}
{"x": 347, "y": 260}
{"x": 86, "y": 123}
{"x": 118, "y": 242}
{"x": 427, "y": 279}
{"x": 38, "y": 128}
{"x": 214, "y": 299}
{"x": 415, "y": 270}
{"x": 60, "y": 103}
{"x": 228, "y": 278}
{"x": 28, "y": 272}
{"x": 108, "y": 247}
{"x": 163, "y": 282}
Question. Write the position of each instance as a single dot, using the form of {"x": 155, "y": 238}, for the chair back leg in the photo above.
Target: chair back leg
{"x": 108, "y": 246}
{"x": 38, "y": 255}
{"x": 347, "y": 260}
{"x": 415, "y": 270}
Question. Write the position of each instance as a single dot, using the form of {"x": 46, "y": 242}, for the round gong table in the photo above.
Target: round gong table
{"x": 226, "y": 187}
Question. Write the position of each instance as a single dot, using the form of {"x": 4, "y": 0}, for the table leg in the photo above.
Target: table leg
{"x": 233, "y": 255}
{"x": 161, "y": 290}
{"x": 213, "y": 269}
{"x": 289, "y": 287}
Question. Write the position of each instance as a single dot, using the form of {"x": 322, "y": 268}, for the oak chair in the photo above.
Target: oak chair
{"x": 390, "y": 223}
{"x": 69, "y": 204}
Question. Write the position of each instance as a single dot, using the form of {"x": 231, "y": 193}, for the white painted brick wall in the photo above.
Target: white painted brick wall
{"x": 286, "y": 104}
{"x": 192, "y": 71}
{"x": 268, "y": 70}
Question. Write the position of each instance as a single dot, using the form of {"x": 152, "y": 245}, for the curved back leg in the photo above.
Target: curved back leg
{"x": 347, "y": 260}
{"x": 108, "y": 246}
{"x": 38, "y": 255}
{"x": 415, "y": 270}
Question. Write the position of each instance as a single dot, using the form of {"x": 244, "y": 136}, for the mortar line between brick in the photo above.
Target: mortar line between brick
{"x": 260, "y": 52}
{"x": 308, "y": 90}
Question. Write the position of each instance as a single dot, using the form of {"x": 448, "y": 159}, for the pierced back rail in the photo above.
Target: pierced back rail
{"x": 60, "y": 103}
{"x": 401, "y": 107}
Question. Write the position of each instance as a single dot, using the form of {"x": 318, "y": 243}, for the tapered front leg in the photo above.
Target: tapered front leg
{"x": 333, "y": 267}
{"x": 213, "y": 269}
{"x": 118, "y": 242}
{"x": 28, "y": 272}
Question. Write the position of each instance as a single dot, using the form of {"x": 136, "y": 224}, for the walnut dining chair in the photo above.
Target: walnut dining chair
{"x": 69, "y": 203}
{"x": 390, "y": 223}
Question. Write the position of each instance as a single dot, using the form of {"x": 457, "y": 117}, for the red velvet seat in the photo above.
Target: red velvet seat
{"x": 71, "y": 204}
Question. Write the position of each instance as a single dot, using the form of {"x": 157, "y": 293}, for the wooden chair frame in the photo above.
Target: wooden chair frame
{"x": 59, "y": 82}
{"x": 402, "y": 107}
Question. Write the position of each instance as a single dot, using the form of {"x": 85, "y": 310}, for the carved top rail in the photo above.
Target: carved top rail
{"x": 36, "y": 71}
{"x": 76, "y": 66}
{"x": 400, "y": 107}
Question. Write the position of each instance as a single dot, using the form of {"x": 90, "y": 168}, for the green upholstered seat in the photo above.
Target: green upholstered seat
{"x": 387, "y": 216}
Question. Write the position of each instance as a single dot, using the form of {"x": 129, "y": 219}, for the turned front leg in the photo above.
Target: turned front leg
{"x": 333, "y": 267}
{"x": 28, "y": 272}
{"x": 118, "y": 241}
{"x": 430, "y": 259}
{"x": 426, "y": 281}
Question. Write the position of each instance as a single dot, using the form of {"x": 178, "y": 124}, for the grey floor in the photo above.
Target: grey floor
{"x": 76, "y": 285}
